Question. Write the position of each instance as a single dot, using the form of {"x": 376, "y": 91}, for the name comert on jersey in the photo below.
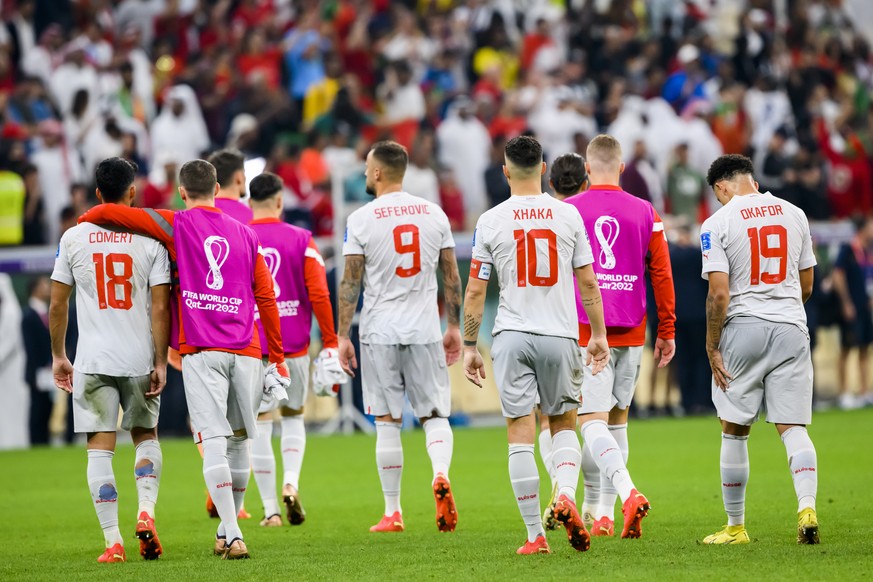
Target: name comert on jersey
{"x": 109, "y": 237}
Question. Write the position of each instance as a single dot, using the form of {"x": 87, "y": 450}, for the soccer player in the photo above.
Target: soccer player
{"x": 627, "y": 239}
{"x": 123, "y": 283}
{"x": 758, "y": 258}
{"x": 395, "y": 244}
{"x": 301, "y": 291}
{"x": 230, "y": 170}
{"x": 222, "y": 276}
{"x": 534, "y": 244}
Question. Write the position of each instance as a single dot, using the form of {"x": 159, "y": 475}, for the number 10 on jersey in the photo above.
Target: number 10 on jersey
{"x": 526, "y": 255}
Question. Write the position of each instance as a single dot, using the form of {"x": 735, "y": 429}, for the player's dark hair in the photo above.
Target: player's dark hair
{"x": 227, "y": 162}
{"x": 392, "y": 156}
{"x": 114, "y": 177}
{"x": 728, "y": 167}
{"x": 198, "y": 179}
{"x": 568, "y": 174}
{"x": 265, "y": 186}
{"x": 524, "y": 152}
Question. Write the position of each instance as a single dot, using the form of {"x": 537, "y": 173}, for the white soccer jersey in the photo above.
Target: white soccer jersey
{"x": 113, "y": 273}
{"x": 401, "y": 237}
{"x": 761, "y": 242}
{"x": 533, "y": 243}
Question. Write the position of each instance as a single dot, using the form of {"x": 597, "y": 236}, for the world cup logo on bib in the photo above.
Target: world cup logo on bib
{"x": 606, "y": 230}
{"x": 274, "y": 261}
{"x": 214, "y": 278}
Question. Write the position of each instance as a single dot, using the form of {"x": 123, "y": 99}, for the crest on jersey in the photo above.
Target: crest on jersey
{"x": 606, "y": 230}
{"x": 274, "y": 261}
{"x": 705, "y": 241}
{"x": 216, "y": 249}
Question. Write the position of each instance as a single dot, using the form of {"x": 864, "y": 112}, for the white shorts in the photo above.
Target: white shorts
{"x": 298, "y": 369}
{"x": 418, "y": 371}
{"x": 96, "y": 399}
{"x": 223, "y": 391}
{"x": 772, "y": 373}
{"x": 615, "y": 385}
{"x": 531, "y": 369}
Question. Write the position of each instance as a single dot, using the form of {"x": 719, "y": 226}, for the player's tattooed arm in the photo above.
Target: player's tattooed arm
{"x": 349, "y": 292}
{"x": 452, "y": 286}
{"x": 716, "y": 312}
{"x": 474, "y": 306}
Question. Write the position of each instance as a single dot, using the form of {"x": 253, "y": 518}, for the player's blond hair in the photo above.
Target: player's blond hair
{"x": 604, "y": 153}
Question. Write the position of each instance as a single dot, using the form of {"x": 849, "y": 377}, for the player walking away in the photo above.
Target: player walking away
{"x": 300, "y": 284}
{"x": 123, "y": 283}
{"x": 395, "y": 245}
{"x": 221, "y": 278}
{"x": 535, "y": 243}
{"x": 627, "y": 239}
{"x": 757, "y": 255}
{"x": 230, "y": 170}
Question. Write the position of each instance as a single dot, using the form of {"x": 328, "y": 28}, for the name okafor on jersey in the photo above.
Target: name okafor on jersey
{"x": 113, "y": 273}
{"x": 400, "y": 236}
{"x": 761, "y": 242}
{"x": 533, "y": 243}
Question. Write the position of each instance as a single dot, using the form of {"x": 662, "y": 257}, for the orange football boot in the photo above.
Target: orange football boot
{"x": 113, "y": 555}
{"x": 603, "y": 526}
{"x": 446, "y": 513}
{"x": 634, "y": 509}
{"x": 149, "y": 544}
{"x": 567, "y": 514}
{"x": 389, "y": 523}
{"x": 538, "y": 546}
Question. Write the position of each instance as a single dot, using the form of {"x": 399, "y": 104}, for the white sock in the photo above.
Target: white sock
{"x": 216, "y": 472}
{"x": 567, "y": 459}
{"x": 104, "y": 494}
{"x": 525, "y": 481}
{"x": 293, "y": 448}
{"x": 545, "y": 441}
{"x": 590, "y": 481}
{"x": 610, "y": 461}
{"x": 607, "y": 491}
{"x": 440, "y": 442}
{"x": 239, "y": 460}
{"x": 389, "y": 460}
{"x": 147, "y": 470}
{"x": 803, "y": 465}
{"x": 264, "y": 467}
{"x": 734, "y": 462}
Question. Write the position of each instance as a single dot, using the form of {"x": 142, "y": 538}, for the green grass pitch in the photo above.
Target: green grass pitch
{"x": 50, "y": 531}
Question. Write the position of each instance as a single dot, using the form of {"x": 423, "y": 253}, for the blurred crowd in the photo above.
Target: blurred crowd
{"x": 308, "y": 85}
{"x": 303, "y": 87}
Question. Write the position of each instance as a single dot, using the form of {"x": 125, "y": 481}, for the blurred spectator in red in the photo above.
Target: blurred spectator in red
{"x": 510, "y": 121}
{"x": 161, "y": 189}
{"x": 258, "y": 57}
{"x": 850, "y": 191}
{"x": 535, "y": 41}
{"x": 730, "y": 123}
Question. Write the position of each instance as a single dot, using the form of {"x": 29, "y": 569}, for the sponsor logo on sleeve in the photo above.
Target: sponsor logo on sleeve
{"x": 705, "y": 241}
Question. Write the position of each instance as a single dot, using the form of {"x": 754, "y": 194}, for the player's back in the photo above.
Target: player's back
{"x": 235, "y": 209}
{"x": 533, "y": 243}
{"x": 113, "y": 273}
{"x": 401, "y": 237}
{"x": 762, "y": 242}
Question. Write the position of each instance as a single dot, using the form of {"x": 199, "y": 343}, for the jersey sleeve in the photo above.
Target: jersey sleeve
{"x": 160, "y": 273}
{"x": 712, "y": 246}
{"x": 448, "y": 241}
{"x": 353, "y": 242}
{"x": 661, "y": 275}
{"x": 481, "y": 261}
{"x": 319, "y": 296}
{"x": 62, "y": 272}
{"x": 807, "y": 256}
{"x": 582, "y": 254}
{"x": 156, "y": 224}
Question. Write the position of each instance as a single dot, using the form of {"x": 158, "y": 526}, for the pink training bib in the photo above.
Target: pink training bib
{"x": 216, "y": 259}
{"x": 619, "y": 226}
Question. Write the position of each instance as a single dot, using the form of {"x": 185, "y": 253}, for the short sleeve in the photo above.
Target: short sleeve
{"x": 63, "y": 273}
{"x": 582, "y": 254}
{"x": 807, "y": 255}
{"x": 712, "y": 247}
{"x": 481, "y": 261}
{"x": 353, "y": 241}
{"x": 160, "y": 273}
{"x": 448, "y": 241}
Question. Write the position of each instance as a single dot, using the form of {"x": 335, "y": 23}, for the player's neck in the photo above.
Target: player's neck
{"x": 604, "y": 179}
{"x": 229, "y": 193}
{"x": 199, "y": 202}
{"x": 526, "y": 187}
{"x": 388, "y": 189}
{"x": 264, "y": 213}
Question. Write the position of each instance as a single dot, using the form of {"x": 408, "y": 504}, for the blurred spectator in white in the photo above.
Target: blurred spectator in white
{"x": 180, "y": 127}
{"x": 400, "y": 96}
{"x": 81, "y": 120}
{"x": 139, "y": 13}
{"x": 74, "y": 74}
{"x": 340, "y": 157}
{"x": 408, "y": 43}
{"x": 463, "y": 146}
{"x": 685, "y": 187}
{"x": 14, "y": 412}
{"x": 22, "y": 35}
{"x": 103, "y": 141}
{"x": 559, "y": 116}
{"x": 41, "y": 60}
{"x": 420, "y": 178}
{"x": 98, "y": 51}
{"x": 59, "y": 168}
{"x": 768, "y": 109}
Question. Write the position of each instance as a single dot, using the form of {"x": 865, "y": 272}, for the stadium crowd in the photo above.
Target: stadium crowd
{"x": 308, "y": 86}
